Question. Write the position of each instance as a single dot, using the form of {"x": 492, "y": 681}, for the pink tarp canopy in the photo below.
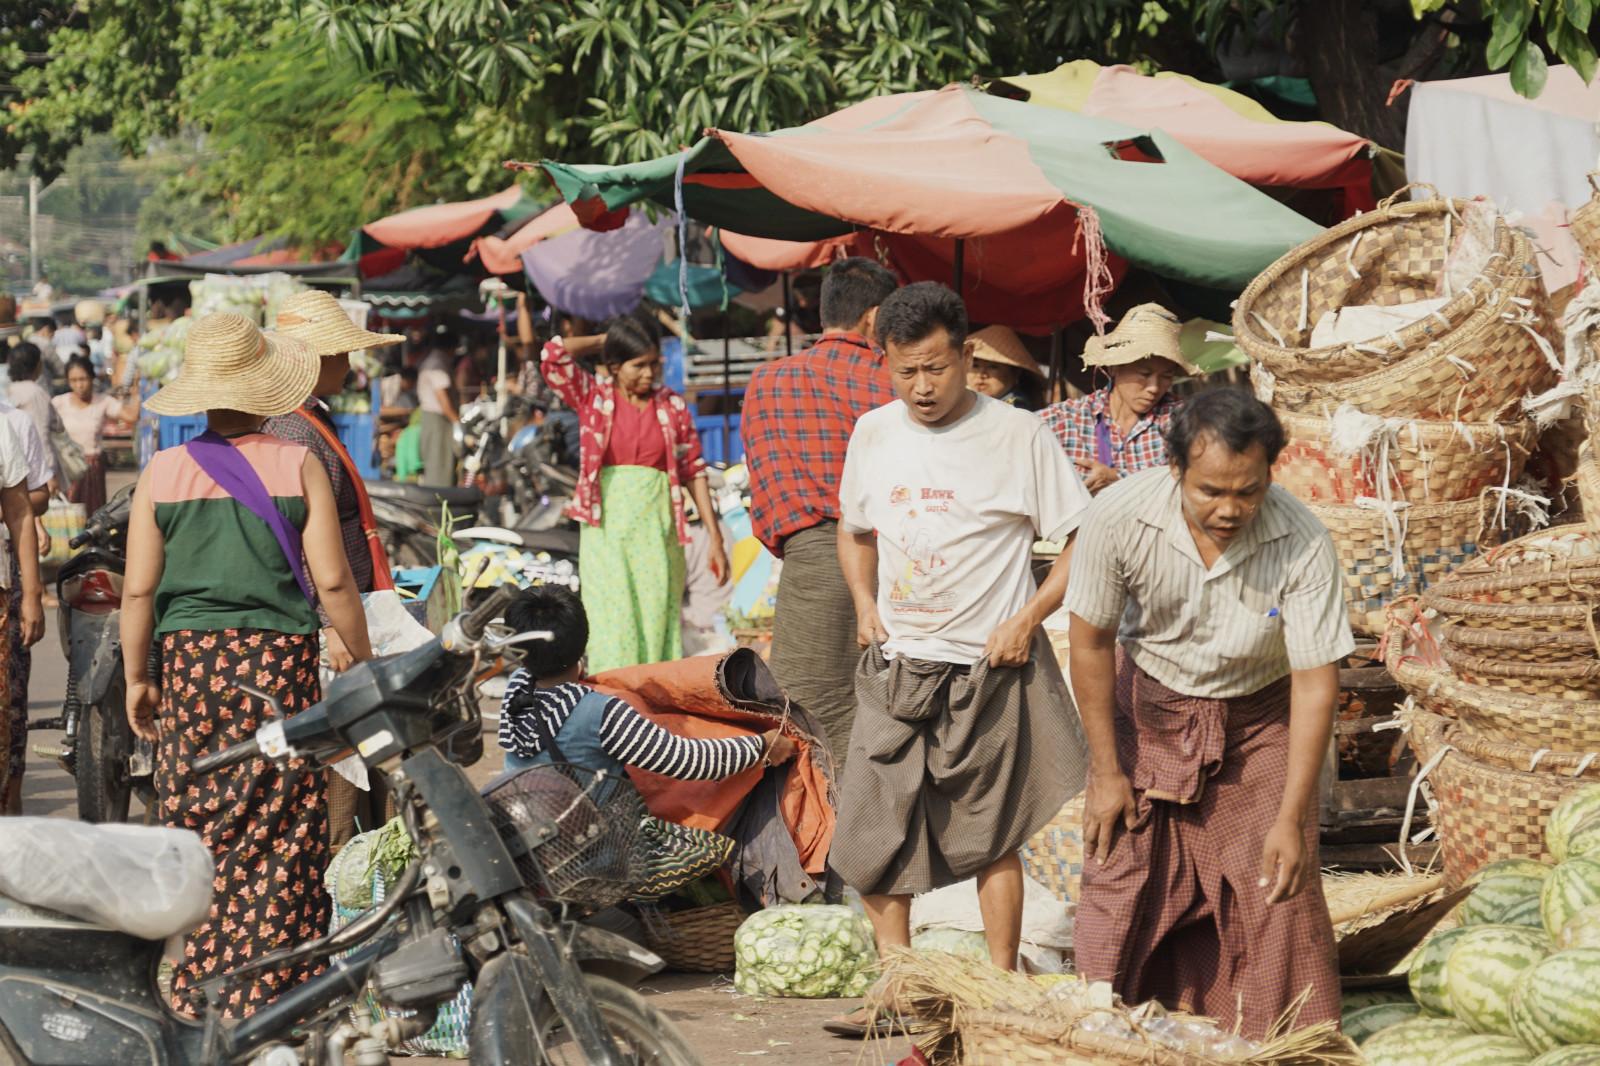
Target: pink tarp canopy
{"x": 440, "y": 224}
{"x": 503, "y": 255}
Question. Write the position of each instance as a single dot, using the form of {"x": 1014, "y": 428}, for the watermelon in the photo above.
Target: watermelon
{"x": 1363, "y": 1022}
{"x": 1528, "y": 913}
{"x": 1571, "y": 886}
{"x": 1411, "y": 1043}
{"x": 1584, "y": 841}
{"x": 1495, "y": 894}
{"x": 1553, "y": 1002}
{"x": 1371, "y": 997}
{"x": 1482, "y": 968}
{"x": 1572, "y": 1055}
{"x": 1426, "y": 976}
{"x": 1581, "y": 931}
{"x": 1570, "y": 813}
{"x": 1505, "y": 867}
{"x": 1480, "y": 1050}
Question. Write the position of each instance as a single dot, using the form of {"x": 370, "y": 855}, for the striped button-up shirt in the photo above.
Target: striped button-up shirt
{"x": 1273, "y": 602}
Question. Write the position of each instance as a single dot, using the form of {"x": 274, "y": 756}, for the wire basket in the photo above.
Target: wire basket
{"x": 574, "y": 833}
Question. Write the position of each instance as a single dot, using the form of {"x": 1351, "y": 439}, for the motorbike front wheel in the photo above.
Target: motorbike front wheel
{"x": 643, "y": 1035}
{"x": 104, "y": 743}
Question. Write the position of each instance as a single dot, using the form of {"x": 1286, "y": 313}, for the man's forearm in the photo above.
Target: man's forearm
{"x": 858, "y": 560}
{"x": 1093, "y": 663}
{"x": 1312, "y": 697}
{"x": 1048, "y": 597}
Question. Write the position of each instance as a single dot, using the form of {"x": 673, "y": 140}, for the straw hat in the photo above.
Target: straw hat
{"x": 230, "y": 365}
{"x": 1000, "y": 344}
{"x": 1146, "y": 331}
{"x": 315, "y": 317}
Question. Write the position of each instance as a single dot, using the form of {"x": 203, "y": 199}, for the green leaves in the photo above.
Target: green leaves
{"x": 1510, "y": 31}
{"x": 1528, "y": 70}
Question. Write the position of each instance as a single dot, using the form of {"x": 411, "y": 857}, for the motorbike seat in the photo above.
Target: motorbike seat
{"x": 429, "y": 496}
{"x": 150, "y": 882}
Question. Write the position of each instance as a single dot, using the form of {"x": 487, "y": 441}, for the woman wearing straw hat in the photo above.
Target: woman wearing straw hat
{"x": 1121, "y": 429}
{"x": 1003, "y": 367}
{"x": 243, "y": 516}
{"x": 315, "y": 318}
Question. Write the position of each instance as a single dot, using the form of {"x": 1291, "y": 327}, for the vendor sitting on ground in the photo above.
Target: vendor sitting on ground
{"x": 1119, "y": 430}
{"x": 544, "y": 700}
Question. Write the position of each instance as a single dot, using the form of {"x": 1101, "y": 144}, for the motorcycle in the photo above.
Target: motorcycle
{"x": 108, "y": 764}
{"x": 494, "y": 897}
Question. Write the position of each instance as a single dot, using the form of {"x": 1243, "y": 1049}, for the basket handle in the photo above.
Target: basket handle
{"x": 1393, "y": 198}
{"x": 1593, "y": 184}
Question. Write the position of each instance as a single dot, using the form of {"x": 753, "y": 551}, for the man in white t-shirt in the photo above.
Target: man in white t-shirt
{"x": 17, "y": 512}
{"x": 965, "y": 741}
{"x": 41, "y": 470}
{"x": 436, "y": 399}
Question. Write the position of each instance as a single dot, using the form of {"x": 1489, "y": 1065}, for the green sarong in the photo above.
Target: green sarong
{"x": 631, "y": 572}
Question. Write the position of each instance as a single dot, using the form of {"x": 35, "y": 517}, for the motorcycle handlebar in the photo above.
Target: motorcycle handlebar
{"x": 474, "y": 622}
{"x": 219, "y": 760}
{"x": 80, "y": 540}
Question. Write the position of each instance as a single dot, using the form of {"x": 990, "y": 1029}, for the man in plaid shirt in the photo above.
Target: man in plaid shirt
{"x": 798, "y": 415}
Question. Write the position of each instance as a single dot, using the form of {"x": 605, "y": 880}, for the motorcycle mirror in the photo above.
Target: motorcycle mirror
{"x": 530, "y": 636}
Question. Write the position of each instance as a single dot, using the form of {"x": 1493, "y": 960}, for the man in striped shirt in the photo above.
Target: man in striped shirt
{"x": 1208, "y": 727}
{"x": 545, "y": 702}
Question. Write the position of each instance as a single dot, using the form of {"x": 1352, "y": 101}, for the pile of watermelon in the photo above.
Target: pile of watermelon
{"x": 1517, "y": 981}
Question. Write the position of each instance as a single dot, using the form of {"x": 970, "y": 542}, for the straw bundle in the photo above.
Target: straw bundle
{"x": 977, "y": 1014}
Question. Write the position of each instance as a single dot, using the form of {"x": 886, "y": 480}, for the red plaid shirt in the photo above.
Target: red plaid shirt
{"x": 595, "y": 401}
{"x": 797, "y": 419}
{"x": 1074, "y": 422}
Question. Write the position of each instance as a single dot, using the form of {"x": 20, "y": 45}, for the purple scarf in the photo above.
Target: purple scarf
{"x": 232, "y": 472}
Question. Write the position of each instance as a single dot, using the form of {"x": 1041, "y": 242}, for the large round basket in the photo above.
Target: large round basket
{"x": 1008, "y": 1038}
{"x": 1522, "y": 592}
{"x": 698, "y": 940}
{"x": 1493, "y": 798}
{"x": 1587, "y": 476}
{"x": 1474, "y": 359}
{"x": 1532, "y": 721}
{"x": 1585, "y": 225}
{"x": 1411, "y": 460}
{"x": 1430, "y": 539}
{"x": 1565, "y": 680}
{"x": 1054, "y": 855}
{"x": 1522, "y": 645}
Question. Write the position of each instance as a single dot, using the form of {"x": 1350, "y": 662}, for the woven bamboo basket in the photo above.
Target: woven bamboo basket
{"x": 1552, "y": 599}
{"x": 1427, "y": 462}
{"x": 1436, "y": 539}
{"x": 1572, "y": 679}
{"x": 1004, "y": 1038}
{"x": 1561, "y": 725}
{"x": 1493, "y": 798}
{"x": 1585, "y": 223}
{"x": 1054, "y": 855}
{"x": 1477, "y": 368}
{"x": 1522, "y": 645}
{"x": 1587, "y": 476}
{"x": 698, "y": 940}
{"x": 1565, "y": 546}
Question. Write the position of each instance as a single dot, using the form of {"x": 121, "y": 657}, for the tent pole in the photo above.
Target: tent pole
{"x": 727, "y": 394}
{"x": 1056, "y": 368}
{"x": 788, "y": 317}
{"x": 960, "y": 264}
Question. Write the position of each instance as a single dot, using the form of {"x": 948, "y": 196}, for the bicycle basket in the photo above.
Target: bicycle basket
{"x": 595, "y": 857}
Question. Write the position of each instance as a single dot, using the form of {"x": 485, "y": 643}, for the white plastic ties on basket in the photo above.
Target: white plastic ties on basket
{"x": 1579, "y": 369}
{"x": 1354, "y": 433}
{"x": 1212, "y": 336}
{"x": 1411, "y": 803}
{"x": 1395, "y": 527}
{"x": 1370, "y": 349}
{"x": 1264, "y": 382}
{"x": 1350, "y": 254}
{"x": 1534, "y": 508}
{"x": 1268, "y": 326}
{"x": 1466, "y": 368}
{"x": 1305, "y": 296}
{"x": 1448, "y": 219}
{"x": 1538, "y": 757}
{"x": 1585, "y": 763}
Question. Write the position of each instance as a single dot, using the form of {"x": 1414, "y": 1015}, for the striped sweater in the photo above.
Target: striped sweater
{"x": 625, "y": 734}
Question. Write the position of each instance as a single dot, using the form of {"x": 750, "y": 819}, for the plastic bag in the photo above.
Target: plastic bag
{"x": 1046, "y": 921}
{"x": 149, "y": 881}
{"x": 811, "y": 951}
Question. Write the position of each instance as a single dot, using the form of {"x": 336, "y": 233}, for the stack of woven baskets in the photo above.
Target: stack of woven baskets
{"x": 1502, "y": 661}
{"x": 1403, "y": 443}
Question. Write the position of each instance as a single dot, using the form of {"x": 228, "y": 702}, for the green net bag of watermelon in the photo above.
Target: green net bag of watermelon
{"x": 357, "y": 880}
{"x": 810, "y": 951}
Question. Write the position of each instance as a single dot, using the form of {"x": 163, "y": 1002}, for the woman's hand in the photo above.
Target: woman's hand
{"x": 717, "y": 560}
{"x": 1096, "y": 476}
{"x": 339, "y": 657}
{"x": 143, "y": 697}
{"x": 778, "y": 749}
{"x": 32, "y": 618}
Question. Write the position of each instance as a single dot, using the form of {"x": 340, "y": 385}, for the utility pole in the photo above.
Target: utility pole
{"x": 33, "y": 229}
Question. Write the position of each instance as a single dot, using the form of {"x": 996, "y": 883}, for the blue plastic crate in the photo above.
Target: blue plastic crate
{"x": 173, "y": 430}
{"x": 710, "y": 429}
{"x": 358, "y": 433}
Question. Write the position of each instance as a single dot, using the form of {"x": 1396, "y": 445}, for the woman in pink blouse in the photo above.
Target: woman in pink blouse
{"x": 639, "y": 449}
{"x": 84, "y": 415}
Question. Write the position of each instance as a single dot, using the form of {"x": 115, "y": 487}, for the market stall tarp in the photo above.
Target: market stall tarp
{"x": 443, "y": 235}
{"x": 503, "y": 255}
{"x": 259, "y": 256}
{"x": 1226, "y": 128}
{"x": 1009, "y": 178}
{"x": 1477, "y": 137}
{"x": 597, "y": 275}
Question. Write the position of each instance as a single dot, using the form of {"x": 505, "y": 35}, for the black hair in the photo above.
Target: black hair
{"x": 24, "y": 361}
{"x": 557, "y": 609}
{"x": 81, "y": 361}
{"x": 629, "y": 337}
{"x": 408, "y": 372}
{"x": 910, "y": 314}
{"x": 851, "y": 288}
{"x": 1232, "y": 416}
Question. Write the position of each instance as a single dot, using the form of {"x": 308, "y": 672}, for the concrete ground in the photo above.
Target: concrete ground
{"x": 722, "y": 1025}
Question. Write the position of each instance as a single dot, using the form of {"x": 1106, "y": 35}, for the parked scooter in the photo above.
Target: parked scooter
{"x": 109, "y": 765}
{"x": 494, "y": 897}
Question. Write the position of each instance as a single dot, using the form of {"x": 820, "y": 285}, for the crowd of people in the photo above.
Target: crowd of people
{"x": 902, "y": 468}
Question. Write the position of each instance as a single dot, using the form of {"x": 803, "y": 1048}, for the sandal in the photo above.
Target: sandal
{"x": 870, "y": 1025}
